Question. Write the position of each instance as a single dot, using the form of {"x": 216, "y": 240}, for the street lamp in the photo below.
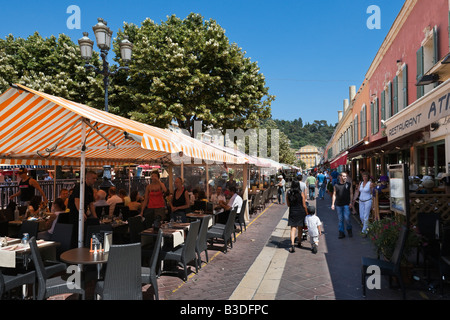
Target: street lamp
{"x": 103, "y": 35}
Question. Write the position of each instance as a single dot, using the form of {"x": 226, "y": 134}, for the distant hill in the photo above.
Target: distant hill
{"x": 317, "y": 133}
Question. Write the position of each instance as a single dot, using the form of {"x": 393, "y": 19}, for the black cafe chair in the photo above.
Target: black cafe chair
{"x": 390, "y": 268}
{"x": 50, "y": 282}
{"x": 9, "y": 282}
{"x": 123, "y": 279}
{"x": 226, "y": 232}
{"x": 149, "y": 274}
{"x": 29, "y": 226}
{"x": 184, "y": 253}
{"x": 202, "y": 242}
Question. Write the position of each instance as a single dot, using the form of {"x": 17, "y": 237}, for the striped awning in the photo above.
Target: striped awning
{"x": 36, "y": 126}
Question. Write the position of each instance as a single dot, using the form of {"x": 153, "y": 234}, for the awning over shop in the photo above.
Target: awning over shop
{"x": 339, "y": 161}
{"x": 37, "y": 126}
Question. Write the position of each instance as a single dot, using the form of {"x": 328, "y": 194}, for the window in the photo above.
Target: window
{"x": 374, "y": 116}
{"x": 355, "y": 128}
{"x": 427, "y": 57}
{"x": 386, "y": 102}
{"x": 363, "y": 116}
{"x": 400, "y": 90}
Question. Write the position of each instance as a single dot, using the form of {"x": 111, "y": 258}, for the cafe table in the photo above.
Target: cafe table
{"x": 16, "y": 251}
{"x": 195, "y": 216}
{"x": 173, "y": 236}
{"x": 83, "y": 256}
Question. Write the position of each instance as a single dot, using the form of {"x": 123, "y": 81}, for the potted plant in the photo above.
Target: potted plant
{"x": 384, "y": 234}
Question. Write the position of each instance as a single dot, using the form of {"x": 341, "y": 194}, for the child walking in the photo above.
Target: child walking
{"x": 314, "y": 225}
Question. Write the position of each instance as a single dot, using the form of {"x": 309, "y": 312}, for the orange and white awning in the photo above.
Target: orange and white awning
{"x": 36, "y": 126}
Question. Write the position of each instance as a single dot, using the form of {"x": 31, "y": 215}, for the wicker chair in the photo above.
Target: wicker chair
{"x": 47, "y": 285}
{"x": 185, "y": 253}
{"x": 123, "y": 280}
{"x": 149, "y": 273}
{"x": 202, "y": 243}
{"x": 224, "y": 233}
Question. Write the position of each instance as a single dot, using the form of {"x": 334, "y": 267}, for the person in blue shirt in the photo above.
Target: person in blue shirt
{"x": 321, "y": 184}
{"x": 334, "y": 176}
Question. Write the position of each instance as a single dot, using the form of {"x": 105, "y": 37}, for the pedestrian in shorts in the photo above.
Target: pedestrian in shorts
{"x": 314, "y": 225}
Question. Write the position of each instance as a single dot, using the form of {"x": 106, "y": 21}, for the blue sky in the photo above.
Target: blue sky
{"x": 309, "y": 51}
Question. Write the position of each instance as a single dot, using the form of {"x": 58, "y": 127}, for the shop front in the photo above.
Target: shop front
{"x": 426, "y": 123}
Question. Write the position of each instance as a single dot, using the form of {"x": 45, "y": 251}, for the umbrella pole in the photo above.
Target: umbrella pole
{"x": 82, "y": 186}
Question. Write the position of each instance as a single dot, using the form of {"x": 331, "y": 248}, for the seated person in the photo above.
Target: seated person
{"x": 123, "y": 195}
{"x": 100, "y": 199}
{"x": 113, "y": 199}
{"x": 217, "y": 197}
{"x": 59, "y": 208}
{"x": 235, "y": 201}
{"x": 134, "y": 204}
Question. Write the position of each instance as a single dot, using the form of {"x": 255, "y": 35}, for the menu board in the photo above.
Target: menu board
{"x": 398, "y": 188}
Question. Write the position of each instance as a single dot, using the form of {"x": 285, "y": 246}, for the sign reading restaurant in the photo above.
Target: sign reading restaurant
{"x": 424, "y": 111}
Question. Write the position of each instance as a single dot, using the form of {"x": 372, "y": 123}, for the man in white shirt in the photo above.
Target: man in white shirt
{"x": 235, "y": 201}
{"x": 113, "y": 200}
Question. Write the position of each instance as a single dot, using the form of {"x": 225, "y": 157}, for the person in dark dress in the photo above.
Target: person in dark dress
{"x": 71, "y": 217}
{"x": 297, "y": 212}
{"x": 180, "y": 201}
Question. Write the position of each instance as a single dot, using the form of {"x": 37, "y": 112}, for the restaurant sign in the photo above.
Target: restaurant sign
{"x": 421, "y": 113}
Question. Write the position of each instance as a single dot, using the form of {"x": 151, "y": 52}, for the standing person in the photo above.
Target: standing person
{"x": 154, "y": 204}
{"x": 311, "y": 184}
{"x": 180, "y": 201}
{"x": 334, "y": 176}
{"x": 314, "y": 225}
{"x": 321, "y": 184}
{"x": 342, "y": 198}
{"x": 364, "y": 191}
{"x": 281, "y": 194}
{"x": 27, "y": 186}
{"x": 297, "y": 212}
{"x": 302, "y": 185}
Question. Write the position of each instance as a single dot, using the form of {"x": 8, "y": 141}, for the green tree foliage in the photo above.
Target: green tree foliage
{"x": 317, "y": 133}
{"x": 187, "y": 70}
{"x": 52, "y": 65}
{"x": 286, "y": 153}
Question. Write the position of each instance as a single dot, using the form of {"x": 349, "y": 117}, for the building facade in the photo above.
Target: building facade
{"x": 310, "y": 155}
{"x": 401, "y": 113}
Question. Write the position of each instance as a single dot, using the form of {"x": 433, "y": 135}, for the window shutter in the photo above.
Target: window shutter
{"x": 395, "y": 94}
{"x": 377, "y": 116}
{"x": 361, "y": 127}
{"x": 383, "y": 102}
{"x": 389, "y": 100}
{"x": 420, "y": 89}
{"x": 405, "y": 86}
{"x": 435, "y": 46}
{"x": 372, "y": 118}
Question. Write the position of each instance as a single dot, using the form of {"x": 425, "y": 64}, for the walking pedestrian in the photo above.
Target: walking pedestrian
{"x": 343, "y": 199}
{"x": 311, "y": 183}
{"x": 321, "y": 184}
{"x": 297, "y": 212}
{"x": 364, "y": 192}
{"x": 314, "y": 225}
{"x": 281, "y": 192}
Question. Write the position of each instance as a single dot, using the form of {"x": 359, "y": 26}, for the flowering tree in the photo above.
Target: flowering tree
{"x": 187, "y": 70}
{"x": 52, "y": 65}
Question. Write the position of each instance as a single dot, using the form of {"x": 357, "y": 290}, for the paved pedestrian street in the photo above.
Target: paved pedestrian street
{"x": 260, "y": 267}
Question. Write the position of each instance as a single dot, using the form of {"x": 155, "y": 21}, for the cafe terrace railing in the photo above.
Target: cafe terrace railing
{"x": 429, "y": 203}
{"x": 8, "y": 189}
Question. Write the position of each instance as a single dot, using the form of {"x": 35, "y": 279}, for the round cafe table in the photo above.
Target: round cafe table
{"x": 83, "y": 256}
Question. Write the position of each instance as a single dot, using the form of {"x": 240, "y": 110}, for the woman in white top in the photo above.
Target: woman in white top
{"x": 364, "y": 191}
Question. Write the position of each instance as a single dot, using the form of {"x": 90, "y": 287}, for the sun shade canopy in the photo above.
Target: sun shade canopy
{"x": 40, "y": 128}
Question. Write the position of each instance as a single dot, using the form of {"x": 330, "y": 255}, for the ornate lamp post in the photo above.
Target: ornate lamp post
{"x": 103, "y": 35}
